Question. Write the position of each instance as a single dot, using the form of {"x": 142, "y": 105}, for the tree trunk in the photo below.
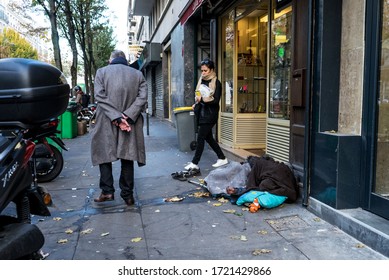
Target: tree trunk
{"x": 72, "y": 41}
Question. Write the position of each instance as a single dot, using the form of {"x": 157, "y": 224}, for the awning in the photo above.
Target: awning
{"x": 190, "y": 10}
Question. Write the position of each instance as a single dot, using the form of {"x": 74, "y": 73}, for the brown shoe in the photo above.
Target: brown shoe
{"x": 130, "y": 201}
{"x": 104, "y": 197}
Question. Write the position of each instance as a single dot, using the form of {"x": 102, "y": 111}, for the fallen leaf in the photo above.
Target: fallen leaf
{"x": 243, "y": 238}
{"x": 263, "y": 232}
{"x": 217, "y": 204}
{"x": 87, "y": 231}
{"x": 245, "y": 209}
{"x": 174, "y": 199}
{"x": 200, "y": 194}
{"x": 360, "y": 245}
{"x": 258, "y": 252}
{"x": 238, "y": 214}
{"x": 104, "y": 234}
{"x": 69, "y": 231}
{"x": 57, "y": 218}
{"x": 62, "y": 241}
{"x": 136, "y": 239}
{"x": 222, "y": 200}
{"x": 317, "y": 219}
{"x": 229, "y": 211}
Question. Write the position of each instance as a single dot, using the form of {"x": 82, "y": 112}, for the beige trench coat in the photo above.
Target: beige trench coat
{"x": 118, "y": 89}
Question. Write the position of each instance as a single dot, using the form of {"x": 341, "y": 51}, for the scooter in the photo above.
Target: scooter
{"x": 48, "y": 158}
{"x": 19, "y": 238}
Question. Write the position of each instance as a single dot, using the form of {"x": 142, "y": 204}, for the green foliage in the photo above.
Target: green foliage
{"x": 13, "y": 45}
{"x": 103, "y": 45}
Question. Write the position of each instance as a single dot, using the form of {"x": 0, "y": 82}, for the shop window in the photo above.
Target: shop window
{"x": 227, "y": 62}
{"x": 251, "y": 61}
{"x": 280, "y": 62}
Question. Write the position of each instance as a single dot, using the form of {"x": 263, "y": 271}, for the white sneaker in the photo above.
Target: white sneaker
{"x": 220, "y": 162}
{"x": 191, "y": 165}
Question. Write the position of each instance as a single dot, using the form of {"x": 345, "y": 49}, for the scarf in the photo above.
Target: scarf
{"x": 119, "y": 60}
{"x": 212, "y": 84}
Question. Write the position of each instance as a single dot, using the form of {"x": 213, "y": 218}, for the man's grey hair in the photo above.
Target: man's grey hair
{"x": 116, "y": 54}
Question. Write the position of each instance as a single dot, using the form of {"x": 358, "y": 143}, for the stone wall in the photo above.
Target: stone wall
{"x": 351, "y": 69}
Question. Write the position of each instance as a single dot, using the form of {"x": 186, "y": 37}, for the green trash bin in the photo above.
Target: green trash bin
{"x": 186, "y": 128}
{"x": 69, "y": 122}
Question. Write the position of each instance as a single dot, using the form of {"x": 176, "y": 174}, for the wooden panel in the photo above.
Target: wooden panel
{"x": 251, "y": 133}
{"x": 277, "y": 145}
{"x": 226, "y": 130}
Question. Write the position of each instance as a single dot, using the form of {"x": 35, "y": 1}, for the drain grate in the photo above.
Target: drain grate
{"x": 286, "y": 223}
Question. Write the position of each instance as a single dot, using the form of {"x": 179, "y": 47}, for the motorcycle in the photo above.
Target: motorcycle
{"x": 19, "y": 238}
{"x": 48, "y": 158}
{"x": 32, "y": 93}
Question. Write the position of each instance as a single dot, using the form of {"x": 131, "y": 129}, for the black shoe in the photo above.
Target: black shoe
{"x": 130, "y": 201}
{"x": 104, "y": 197}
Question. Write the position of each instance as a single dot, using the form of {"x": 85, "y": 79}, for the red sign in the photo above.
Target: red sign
{"x": 190, "y": 10}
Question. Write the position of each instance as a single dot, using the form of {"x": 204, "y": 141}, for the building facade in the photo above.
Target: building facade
{"x": 13, "y": 20}
{"x": 303, "y": 80}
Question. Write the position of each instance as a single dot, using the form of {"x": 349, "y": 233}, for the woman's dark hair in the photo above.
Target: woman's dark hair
{"x": 207, "y": 62}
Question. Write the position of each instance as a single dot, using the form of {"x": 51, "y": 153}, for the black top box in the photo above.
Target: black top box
{"x": 31, "y": 91}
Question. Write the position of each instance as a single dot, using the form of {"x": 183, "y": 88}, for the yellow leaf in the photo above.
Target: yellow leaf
{"x": 257, "y": 252}
{"x": 229, "y": 211}
{"x": 62, "y": 241}
{"x": 87, "y": 231}
{"x": 57, "y": 218}
{"x": 136, "y": 239}
{"x": 360, "y": 245}
{"x": 174, "y": 199}
{"x": 217, "y": 204}
{"x": 263, "y": 232}
{"x": 222, "y": 200}
{"x": 69, "y": 231}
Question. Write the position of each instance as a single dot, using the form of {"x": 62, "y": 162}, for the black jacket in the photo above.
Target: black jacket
{"x": 209, "y": 111}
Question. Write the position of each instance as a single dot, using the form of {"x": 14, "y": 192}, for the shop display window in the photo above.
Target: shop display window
{"x": 280, "y": 62}
{"x": 227, "y": 76}
{"x": 251, "y": 61}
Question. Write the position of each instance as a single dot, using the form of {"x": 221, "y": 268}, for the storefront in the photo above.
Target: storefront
{"x": 255, "y": 60}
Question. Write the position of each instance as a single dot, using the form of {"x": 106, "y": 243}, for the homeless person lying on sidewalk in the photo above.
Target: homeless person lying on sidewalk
{"x": 270, "y": 181}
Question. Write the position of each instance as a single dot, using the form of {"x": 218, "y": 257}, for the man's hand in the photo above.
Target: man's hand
{"x": 122, "y": 123}
{"x": 124, "y": 126}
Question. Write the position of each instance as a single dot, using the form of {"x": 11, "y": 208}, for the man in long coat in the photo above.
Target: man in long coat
{"x": 121, "y": 95}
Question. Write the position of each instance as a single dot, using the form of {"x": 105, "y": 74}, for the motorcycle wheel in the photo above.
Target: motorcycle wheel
{"x": 56, "y": 165}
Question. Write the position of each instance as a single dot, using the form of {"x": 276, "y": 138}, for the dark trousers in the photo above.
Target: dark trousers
{"x": 205, "y": 134}
{"x": 126, "y": 181}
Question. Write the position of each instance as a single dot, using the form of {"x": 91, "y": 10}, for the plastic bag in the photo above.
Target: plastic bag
{"x": 265, "y": 199}
{"x": 232, "y": 174}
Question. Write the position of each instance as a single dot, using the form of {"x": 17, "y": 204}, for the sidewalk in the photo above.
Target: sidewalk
{"x": 194, "y": 228}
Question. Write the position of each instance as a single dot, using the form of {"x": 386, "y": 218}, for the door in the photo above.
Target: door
{"x": 298, "y": 88}
{"x": 378, "y": 181}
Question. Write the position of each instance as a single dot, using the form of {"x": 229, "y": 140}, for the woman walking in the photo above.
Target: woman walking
{"x": 208, "y": 93}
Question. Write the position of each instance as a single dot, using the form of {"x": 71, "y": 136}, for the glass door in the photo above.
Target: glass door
{"x": 379, "y": 197}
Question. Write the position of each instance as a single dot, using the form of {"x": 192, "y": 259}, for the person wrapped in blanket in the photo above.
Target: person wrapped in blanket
{"x": 266, "y": 176}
